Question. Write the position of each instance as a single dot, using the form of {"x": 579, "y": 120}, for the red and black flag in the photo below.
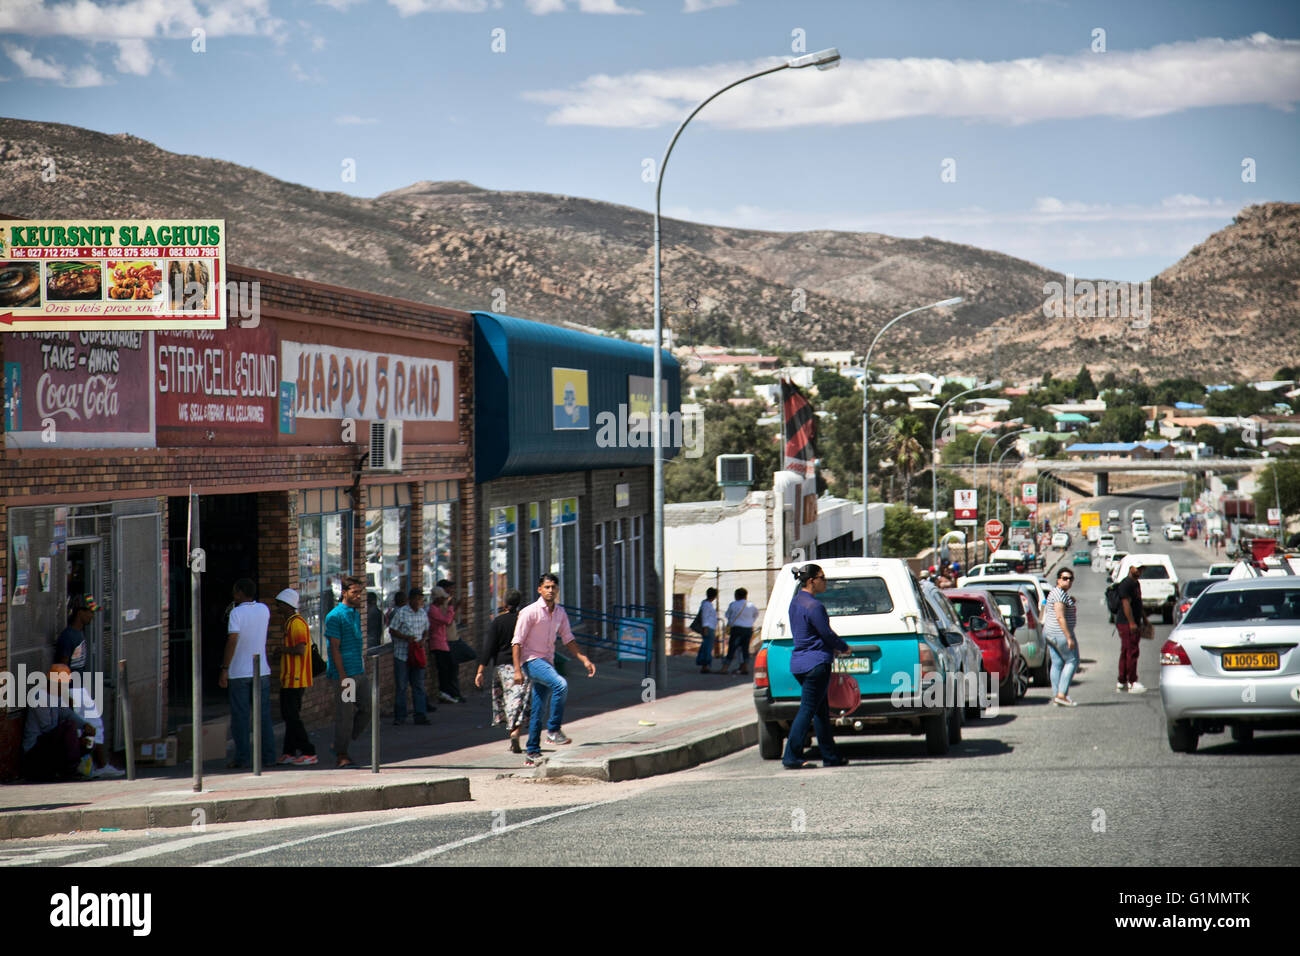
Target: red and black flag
{"x": 799, "y": 428}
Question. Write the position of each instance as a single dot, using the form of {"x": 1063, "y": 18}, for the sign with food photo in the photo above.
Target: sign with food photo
{"x": 72, "y": 275}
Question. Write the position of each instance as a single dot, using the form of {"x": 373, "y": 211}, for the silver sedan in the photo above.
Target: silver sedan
{"x": 1233, "y": 662}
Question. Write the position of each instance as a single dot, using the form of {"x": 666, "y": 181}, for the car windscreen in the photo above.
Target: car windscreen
{"x": 1008, "y": 602}
{"x": 844, "y": 597}
{"x": 1196, "y": 586}
{"x": 1151, "y": 572}
{"x": 1254, "y": 604}
{"x": 968, "y": 608}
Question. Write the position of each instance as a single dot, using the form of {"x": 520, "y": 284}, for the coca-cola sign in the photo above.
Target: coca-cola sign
{"x": 78, "y": 390}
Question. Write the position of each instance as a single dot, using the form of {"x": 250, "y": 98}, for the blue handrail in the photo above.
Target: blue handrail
{"x": 589, "y": 629}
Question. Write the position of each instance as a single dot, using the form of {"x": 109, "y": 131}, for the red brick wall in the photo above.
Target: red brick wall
{"x": 72, "y": 476}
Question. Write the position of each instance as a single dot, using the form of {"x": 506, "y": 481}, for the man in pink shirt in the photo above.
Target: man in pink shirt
{"x": 533, "y": 647}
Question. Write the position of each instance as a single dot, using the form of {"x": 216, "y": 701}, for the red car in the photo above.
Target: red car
{"x": 1002, "y": 657}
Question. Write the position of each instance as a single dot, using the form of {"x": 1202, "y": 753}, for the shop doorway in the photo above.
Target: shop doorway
{"x": 226, "y": 529}
{"x": 84, "y": 575}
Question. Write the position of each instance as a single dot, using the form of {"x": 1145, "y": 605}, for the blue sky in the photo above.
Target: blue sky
{"x": 1108, "y": 163}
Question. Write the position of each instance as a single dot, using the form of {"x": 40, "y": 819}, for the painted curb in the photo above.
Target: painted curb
{"x": 682, "y": 755}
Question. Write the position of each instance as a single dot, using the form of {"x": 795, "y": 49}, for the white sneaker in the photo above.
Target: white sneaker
{"x": 1136, "y": 688}
{"x": 108, "y": 770}
{"x": 443, "y": 695}
{"x": 1121, "y": 687}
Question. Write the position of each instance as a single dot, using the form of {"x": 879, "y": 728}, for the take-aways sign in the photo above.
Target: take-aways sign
{"x": 74, "y": 275}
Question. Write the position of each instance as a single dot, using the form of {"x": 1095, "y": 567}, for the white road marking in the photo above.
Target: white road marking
{"x": 306, "y": 839}
{"x": 174, "y": 846}
{"x": 28, "y": 855}
{"x": 457, "y": 844}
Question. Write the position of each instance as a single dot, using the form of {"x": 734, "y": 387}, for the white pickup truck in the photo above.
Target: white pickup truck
{"x": 1159, "y": 582}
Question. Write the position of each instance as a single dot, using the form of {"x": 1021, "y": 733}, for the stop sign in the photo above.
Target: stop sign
{"x": 993, "y": 528}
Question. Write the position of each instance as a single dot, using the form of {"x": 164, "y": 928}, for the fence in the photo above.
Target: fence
{"x": 631, "y": 635}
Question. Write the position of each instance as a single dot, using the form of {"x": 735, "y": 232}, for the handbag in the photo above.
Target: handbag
{"x": 697, "y": 625}
{"x": 844, "y": 695}
{"x": 461, "y": 652}
{"x": 318, "y": 666}
{"x": 415, "y": 654}
{"x": 1147, "y": 631}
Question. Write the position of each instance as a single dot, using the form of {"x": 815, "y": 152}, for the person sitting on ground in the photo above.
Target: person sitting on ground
{"x": 87, "y": 708}
{"x": 56, "y": 742}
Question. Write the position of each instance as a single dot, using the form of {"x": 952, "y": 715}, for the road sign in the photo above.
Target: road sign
{"x": 965, "y": 506}
{"x": 1029, "y": 492}
{"x": 993, "y": 528}
{"x": 992, "y": 542}
{"x": 1275, "y": 516}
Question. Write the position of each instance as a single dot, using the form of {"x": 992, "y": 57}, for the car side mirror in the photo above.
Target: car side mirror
{"x": 1017, "y": 621}
{"x": 977, "y": 623}
{"x": 950, "y": 638}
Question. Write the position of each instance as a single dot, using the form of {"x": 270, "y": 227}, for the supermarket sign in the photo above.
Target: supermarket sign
{"x": 71, "y": 275}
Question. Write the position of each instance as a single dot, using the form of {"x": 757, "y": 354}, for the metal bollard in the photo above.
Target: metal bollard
{"x": 257, "y": 715}
{"x": 124, "y": 696}
{"x": 374, "y": 717}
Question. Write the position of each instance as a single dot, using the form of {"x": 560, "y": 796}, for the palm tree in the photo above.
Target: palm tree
{"x": 908, "y": 451}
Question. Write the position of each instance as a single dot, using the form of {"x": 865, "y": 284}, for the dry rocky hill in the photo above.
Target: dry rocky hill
{"x": 1226, "y": 309}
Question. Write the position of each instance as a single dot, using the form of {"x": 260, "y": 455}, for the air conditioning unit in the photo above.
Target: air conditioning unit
{"x": 735, "y": 470}
{"x": 385, "y": 446}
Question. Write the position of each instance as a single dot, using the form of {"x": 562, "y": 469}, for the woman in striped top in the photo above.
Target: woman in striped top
{"x": 1058, "y": 630}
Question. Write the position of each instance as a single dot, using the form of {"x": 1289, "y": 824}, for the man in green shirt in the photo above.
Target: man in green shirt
{"x": 346, "y": 668}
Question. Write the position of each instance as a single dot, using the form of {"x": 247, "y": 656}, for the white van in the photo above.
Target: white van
{"x": 1159, "y": 582}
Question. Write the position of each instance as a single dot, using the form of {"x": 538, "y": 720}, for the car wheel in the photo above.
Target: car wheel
{"x": 936, "y": 735}
{"x": 1022, "y": 677}
{"x": 954, "y": 725}
{"x": 1243, "y": 734}
{"x": 1007, "y": 690}
{"x": 973, "y": 709}
{"x": 770, "y": 740}
{"x": 1182, "y": 738}
{"x": 1042, "y": 673}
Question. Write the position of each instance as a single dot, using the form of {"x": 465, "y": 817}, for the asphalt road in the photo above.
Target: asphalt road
{"x": 1096, "y": 785}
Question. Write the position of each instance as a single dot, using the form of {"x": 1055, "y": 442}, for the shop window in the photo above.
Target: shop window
{"x": 636, "y": 563}
{"x": 440, "y": 527}
{"x": 324, "y": 554}
{"x": 503, "y": 557}
{"x": 598, "y": 556}
{"x": 388, "y": 550}
{"x": 536, "y": 544}
{"x": 564, "y": 548}
{"x": 618, "y": 568}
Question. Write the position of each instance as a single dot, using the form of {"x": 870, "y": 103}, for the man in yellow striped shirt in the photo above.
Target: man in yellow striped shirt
{"x": 295, "y": 678}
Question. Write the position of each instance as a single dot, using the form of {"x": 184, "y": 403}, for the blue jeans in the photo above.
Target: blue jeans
{"x": 813, "y": 709}
{"x": 547, "y": 683}
{"x": 705, "y": 656}
{"x": 241, "y": 719}
{"x": 1064, "y": 663}
{"x": 404, "y": 674}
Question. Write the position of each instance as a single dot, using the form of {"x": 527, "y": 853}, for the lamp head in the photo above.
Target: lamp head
{"x": 822, "y": 59}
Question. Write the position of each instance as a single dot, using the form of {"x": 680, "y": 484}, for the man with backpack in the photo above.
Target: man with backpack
{"x": 1125, "y": 602}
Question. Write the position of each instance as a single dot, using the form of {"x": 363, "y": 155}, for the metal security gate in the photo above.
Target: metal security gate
{"x": 137, "y": 609}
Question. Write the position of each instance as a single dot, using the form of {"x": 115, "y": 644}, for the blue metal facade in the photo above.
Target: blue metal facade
{"x": 522, "y": 426}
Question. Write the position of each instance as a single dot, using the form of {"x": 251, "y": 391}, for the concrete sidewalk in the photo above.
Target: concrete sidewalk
{"x": 619, "y": 733}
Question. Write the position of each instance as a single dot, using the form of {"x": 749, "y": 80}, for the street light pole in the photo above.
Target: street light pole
{"x": 866, "y": 416}
{"x": 823, "y": 60}
{"x": 934, "y": 459}
{"x": 1000, "y": 457}
{"x": 1001, "y": 439}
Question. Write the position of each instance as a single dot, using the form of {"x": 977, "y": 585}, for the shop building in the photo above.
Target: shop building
{"x": 268, "y": 426}
{"x": 565, "y": 468}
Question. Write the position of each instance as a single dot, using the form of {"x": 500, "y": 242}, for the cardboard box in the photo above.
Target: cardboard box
{"x": 156, "y": 752}
{"x": 214, "y": 737}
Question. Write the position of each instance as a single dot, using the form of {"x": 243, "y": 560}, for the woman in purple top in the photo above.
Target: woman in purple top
{"x": 815, "y": 647}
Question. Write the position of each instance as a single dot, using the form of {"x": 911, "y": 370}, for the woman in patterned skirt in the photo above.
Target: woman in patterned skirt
{"x": 511, "y": 702}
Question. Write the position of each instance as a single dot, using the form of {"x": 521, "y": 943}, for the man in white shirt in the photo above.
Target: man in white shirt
{"x": 709, "y": 625}
{"x": 246, "y": 637}
{"x": 741, "y": 615}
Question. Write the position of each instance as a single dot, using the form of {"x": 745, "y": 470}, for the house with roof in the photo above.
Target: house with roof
{"x": 1121, "y": 450}
{"x": 1070, "y": 421}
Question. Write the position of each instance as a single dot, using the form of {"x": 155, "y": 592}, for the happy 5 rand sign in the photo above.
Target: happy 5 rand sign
{"x": 71, "y": 275}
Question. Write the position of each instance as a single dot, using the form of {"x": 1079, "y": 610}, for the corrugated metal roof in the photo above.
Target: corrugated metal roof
{"x": 517, "y": 418}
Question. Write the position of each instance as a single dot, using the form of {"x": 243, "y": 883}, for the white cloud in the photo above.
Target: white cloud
{"x": 339, "y": 5}
{"x": 33, "y": 67}
{"x": 133, "y": 56}
{"x": 695, "y": 6}
{"x": 543, "y": 7}
{"x": 36, "y": 68}
{"x": 350, "y": 120}
{"x": 408, "y": 8}
{"x": 1144, "y": 83}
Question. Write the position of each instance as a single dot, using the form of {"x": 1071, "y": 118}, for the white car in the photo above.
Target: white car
{"x": 1173, "y": 532}
{"x": 1138, "y": 515}
{"x": 1221, "y": 570}
{"x": 1113, "y": 562}
{"x": 1105, "y": 546}
{"x": 1060, "y": 540}
{"x": 1112, "y": 515}
{"x": 1142, "y": 536}
{"x": 1234, "y": 662}
{"x": 1159, "y": 582}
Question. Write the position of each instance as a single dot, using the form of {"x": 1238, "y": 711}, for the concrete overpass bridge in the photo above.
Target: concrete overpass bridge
{"x": 1102, "y": 468}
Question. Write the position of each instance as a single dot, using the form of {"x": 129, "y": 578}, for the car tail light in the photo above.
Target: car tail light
{"x": 1173, "y": 653}
{"x": 928, "y": 663}
{"x": 1182, "y": 608}
{"x": 760, "y": 668}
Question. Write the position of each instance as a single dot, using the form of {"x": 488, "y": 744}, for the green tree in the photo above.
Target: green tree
{"x": 839, "y": 446}
{"x": 722, "y": 390}
{"x": 1171, "y": 390}
{"x": 1083, "y": 387}
{"x": 726, "y": 431}
{"x": 1242, "y": 400}
{"x": 908, "y": 452}
{"x": 1287, "y": 474}
{"x": 831, "y": 384}
{"x": 905, "y": 534}
{"x": 1120, "y": 423}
